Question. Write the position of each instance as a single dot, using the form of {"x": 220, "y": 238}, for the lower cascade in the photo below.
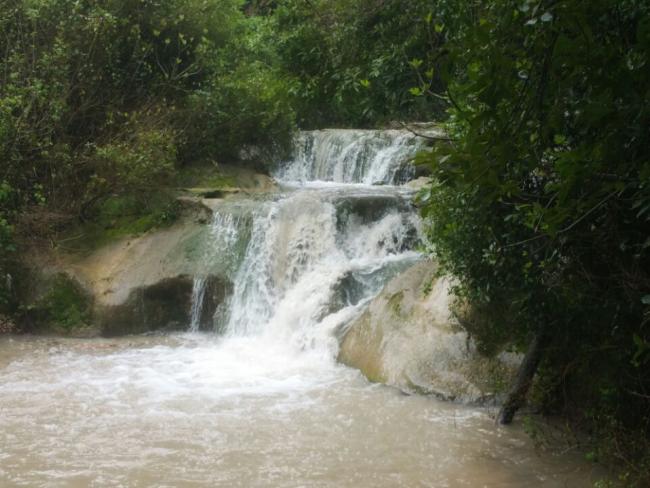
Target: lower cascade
{"x": 316, "y": 251}
{"x": 260, "y": 400}
{"x": 309, "y": 258}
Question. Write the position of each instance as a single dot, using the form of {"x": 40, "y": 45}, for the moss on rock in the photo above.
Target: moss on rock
{"x": 165, "y": 305}
{"x": 63, "y": 306}
{"x": 408, "y": 338}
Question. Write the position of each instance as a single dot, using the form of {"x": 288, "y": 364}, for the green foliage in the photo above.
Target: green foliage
{"x": 541, "y": 202}
{"x": 350, "y": 59}
{"x": 65, "y": 306}
{"x": 249, "y": 106}
{"x": 98, "y": 98}
{"x": 139, "y": 160}
{"x": 629, "y": 447}
{"x": 204, "y": 176}
{"x": 120, "y": 216}
{"x": 7, "y": 247}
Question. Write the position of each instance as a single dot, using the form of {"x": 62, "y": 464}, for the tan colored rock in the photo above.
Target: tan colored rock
{"x": 136, "y": 284}
{"x": 407, "y": 338}
{"x": 141, "y": 283}
{"x": 247, "y": 180}
{"x": 112, "y": 272}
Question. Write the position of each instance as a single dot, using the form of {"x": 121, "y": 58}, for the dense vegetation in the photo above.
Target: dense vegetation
{"x": 355, "y": 63}
{"x": 102, "y": 102}
{"x": 540, "y": 202}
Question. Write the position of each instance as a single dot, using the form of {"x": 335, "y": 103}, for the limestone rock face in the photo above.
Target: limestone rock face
{"x": 113, "y": 272}
{"x": 165, "y": 305}
{"x": 134, "y": 285}
{"x": 143, "y": 282}
{"x": 407, "y": 338}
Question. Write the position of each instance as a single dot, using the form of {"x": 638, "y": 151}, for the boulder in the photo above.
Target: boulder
{"x": 215, "y": 298}
{"x": 165, "y": 305}
{"x": 133, "y": 285}
{"x": 408, "y": 338}
{"x": 111, "y": 273}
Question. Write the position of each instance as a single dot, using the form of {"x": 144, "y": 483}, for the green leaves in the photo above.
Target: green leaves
{"x": 559, "y": 139}
{"x": 546, "y": 17}
{"x": 331, "y": 48}
{"x": 543, "y": 199}
{"x": 642, "y": 353}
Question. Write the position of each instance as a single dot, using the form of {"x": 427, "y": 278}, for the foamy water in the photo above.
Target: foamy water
{"x": 195, "y": 410}
{"x": 264, "y": 403}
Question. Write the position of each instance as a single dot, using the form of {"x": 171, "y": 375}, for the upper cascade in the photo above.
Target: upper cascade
{"x": 371, "y": 157}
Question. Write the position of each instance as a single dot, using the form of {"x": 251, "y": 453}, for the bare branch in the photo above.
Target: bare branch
{"x": 426, "y": 136}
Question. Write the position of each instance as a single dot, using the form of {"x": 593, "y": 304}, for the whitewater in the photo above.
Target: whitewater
{"x": 259, "y": 399}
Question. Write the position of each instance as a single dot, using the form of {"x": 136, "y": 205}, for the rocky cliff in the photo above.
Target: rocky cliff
{"x": 409, "y": 339}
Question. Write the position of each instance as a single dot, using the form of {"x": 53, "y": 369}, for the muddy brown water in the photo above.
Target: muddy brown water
{"x": 201, "y": 411}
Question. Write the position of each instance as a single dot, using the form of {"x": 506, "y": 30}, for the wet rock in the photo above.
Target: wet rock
{"x": 134, "y": 285}
{"x": 367, "y": 208}
{"x": 165, "y": 305}
{"x": 217, "y": 292}
{"x": 207, "y": 193}
{"x": 407, "y": 338}
{"x": 113, "y": 272}
{"x": 57, "y": 303}
{"x": 419, "y": 183}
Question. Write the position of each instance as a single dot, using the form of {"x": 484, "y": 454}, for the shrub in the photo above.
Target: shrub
{"x": 65, "y": 306}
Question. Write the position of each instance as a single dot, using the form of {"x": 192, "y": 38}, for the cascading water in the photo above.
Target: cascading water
{"x": 223, "y": 238}
{"x": 198, "y": 293}
{"x": 352, "y": 156}
{"x": 320, "y": 251}
{"x": 304, "y": 256}
{"x": 263, "y": 403}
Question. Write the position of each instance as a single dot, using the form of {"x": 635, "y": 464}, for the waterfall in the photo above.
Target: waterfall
{"x": 301, "y": 242}
{"x": 315, "y": 255}
{"x": 220, "y": 255}
{"x": 352, "y": 156}
{"x": 263, "y": 402}
{"x": 198, "y": 292}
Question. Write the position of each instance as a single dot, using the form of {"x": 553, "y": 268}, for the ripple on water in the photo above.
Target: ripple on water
{"x": 191, "y": 410}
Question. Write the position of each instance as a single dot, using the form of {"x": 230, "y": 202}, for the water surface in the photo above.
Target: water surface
{"x": 261, "y": 401}
{"x": 197, "y": 410}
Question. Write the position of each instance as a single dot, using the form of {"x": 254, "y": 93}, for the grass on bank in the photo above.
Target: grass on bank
{"x": 120, "y": 216}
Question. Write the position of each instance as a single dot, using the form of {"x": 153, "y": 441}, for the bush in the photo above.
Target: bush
{"x": 246, "y": 103}
{"x": 139, "y": 160}
{"x": 354, "y": 62}
{"x": 104, "y": 97}
{"x": 7, "y": 249}
{"x": 541, "y": 200}
{"x": 65, "y": 306}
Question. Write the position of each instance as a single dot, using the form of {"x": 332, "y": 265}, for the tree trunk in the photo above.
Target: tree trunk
{"x": 517, "y": 396}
